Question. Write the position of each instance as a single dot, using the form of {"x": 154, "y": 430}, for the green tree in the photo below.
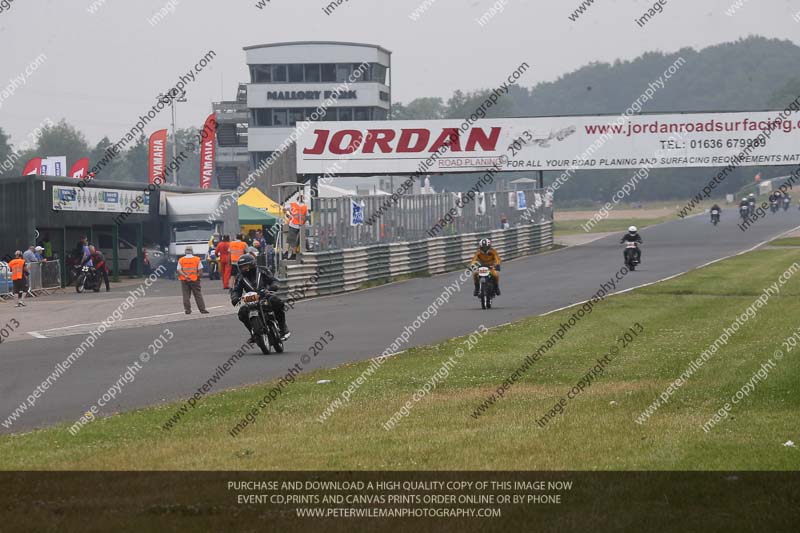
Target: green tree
{"x": 137, "y": 160}
{"x": 62, "y": 139}
{"x": 429, "y": 108}
{"x": 5, "y": 152}
{"x": 114, "y": 168}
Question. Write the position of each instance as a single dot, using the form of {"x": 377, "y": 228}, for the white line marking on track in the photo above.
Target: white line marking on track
{"x": 39, "y": 335}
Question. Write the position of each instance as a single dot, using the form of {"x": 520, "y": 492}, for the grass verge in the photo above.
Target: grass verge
{"x": 597, "y": 431}
{"x": 568, "y": 227}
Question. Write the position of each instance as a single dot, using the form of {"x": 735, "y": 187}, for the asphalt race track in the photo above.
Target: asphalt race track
{"x": 364, "y": 323}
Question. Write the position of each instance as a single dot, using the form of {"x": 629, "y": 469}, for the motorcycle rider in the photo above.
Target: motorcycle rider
{"x": 744, "y": 204}
{"x": 252, "y": 278}
{"x": 487, "y": 256}
{"x": 633, "y": 236}
{"x": 751, "y": 203}
{"x": 99, "y": 261}
{"x": 716, "y": 208}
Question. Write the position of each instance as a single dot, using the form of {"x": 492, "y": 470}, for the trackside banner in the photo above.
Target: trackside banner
{"x": 551, "y": 143}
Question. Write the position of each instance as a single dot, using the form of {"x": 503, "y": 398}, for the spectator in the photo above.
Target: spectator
{"x": 99, "y": 262}
{"x": 19, "y": 270}
{"x": 259, "y": 238}
{"x": 48, "y": 246}
{"x": 503, "y": 221}
{"x": 39, "y": 254}
{"x": 190, "y": 270}
{"x": 30, "y": 255}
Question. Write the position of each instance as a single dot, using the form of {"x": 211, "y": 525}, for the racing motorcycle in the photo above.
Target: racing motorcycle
{"x": 86, "y": 278}
{"x": 486, "y": 288}
{"x": 786, "y": 202}
{"x": 774, "y": 205}
{"x": 263, "y": 322}
{"x": 715, "y": 216}
{"x": 744, "y": 212}
{"x": 631, "y": 249}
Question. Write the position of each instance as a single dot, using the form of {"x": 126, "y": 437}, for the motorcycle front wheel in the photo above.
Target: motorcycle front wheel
{"x": 80, "y": 284}
{"x": 261, "y": 336}
{"x": 275, "y": 338}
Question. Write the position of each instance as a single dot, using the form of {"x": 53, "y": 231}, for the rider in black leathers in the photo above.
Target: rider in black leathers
{"x": 252, "y": 278}
{"x": 633, "y": 236}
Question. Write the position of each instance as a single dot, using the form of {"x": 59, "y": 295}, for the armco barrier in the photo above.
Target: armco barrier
{"x": 346, "y": 270}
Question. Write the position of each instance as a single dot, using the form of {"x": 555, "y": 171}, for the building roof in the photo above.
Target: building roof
{"x": 296, "y": 43}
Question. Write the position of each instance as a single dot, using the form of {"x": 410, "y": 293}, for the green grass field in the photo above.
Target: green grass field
{"x": 567, "y": 227}
{"x": 787, "y": 241}
{"x": 597, "y": 431}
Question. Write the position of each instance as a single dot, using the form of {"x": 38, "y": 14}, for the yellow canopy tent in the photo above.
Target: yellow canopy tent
{"x": 255, "y": 198}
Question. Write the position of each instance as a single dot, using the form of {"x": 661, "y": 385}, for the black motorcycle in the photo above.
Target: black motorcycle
{"x": 774, "y": 206}
{"x": 86, "y": 277}
{"x": 263, "y": 323}
{"x": 786, "y": 202}
{"x": 715, "y": 216}
{"x": 744, "y": 212}
{"x": 631, "y": 255}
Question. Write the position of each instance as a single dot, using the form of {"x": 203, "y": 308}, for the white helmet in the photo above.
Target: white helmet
{"x": 632, "y": 229}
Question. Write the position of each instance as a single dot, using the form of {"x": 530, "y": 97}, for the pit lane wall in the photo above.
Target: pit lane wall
{"x": 351, "y": 269}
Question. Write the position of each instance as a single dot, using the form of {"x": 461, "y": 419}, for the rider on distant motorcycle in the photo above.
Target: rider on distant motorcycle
{"x": 257, "y": 279}
{"x": 751, "y": 203}
{"x": 487, "y": 256}
{"x": 633, "y": 236}
{"x": 716, "y": 208}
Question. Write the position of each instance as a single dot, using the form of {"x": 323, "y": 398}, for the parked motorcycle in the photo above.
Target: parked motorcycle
{"x": 486, "y": 288}
{"x": 715, "y": 216}
{"x": 263, "y": 322}
{"x": 86, "y": 278}
{"x": 631, "y": 255}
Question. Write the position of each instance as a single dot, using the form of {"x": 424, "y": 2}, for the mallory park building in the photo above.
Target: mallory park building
{"x": 289, "y": 83}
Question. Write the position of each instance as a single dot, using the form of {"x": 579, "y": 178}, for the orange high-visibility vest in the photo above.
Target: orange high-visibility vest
{"x": 17, "y": 268}
{"x": 237, "y": 250}
{"x": 298, "y": 214}
{"x": 190, "y": 268}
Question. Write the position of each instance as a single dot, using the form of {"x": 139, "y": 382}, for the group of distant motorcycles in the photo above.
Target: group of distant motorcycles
{"x": 747, "y": 206}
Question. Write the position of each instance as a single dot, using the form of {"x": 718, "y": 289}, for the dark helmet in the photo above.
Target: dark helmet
{"x": 246, "y": 263}
{"x": 485, "y": 245}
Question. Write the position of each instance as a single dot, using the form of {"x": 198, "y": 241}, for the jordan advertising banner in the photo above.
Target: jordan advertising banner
{"x": 551, "y": 143}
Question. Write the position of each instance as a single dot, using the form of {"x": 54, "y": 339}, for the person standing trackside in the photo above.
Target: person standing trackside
{"x": 189, "y": 271}
{"x": 224, "y": 255}
{"x": 238, "y": 249}
{"x": 18, "y": 268}
{"x": 297, "y": 213}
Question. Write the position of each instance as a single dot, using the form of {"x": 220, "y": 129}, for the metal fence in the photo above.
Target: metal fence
{"x": 44, "y": 276}
{"x": 5, "y": 280}
{"x": 422, "y": 216}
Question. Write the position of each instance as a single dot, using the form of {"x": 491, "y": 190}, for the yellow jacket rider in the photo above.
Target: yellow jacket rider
{"x": 487, "y": 256}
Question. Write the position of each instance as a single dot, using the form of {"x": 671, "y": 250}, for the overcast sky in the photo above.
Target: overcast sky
{"x": 104, "y": 69}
